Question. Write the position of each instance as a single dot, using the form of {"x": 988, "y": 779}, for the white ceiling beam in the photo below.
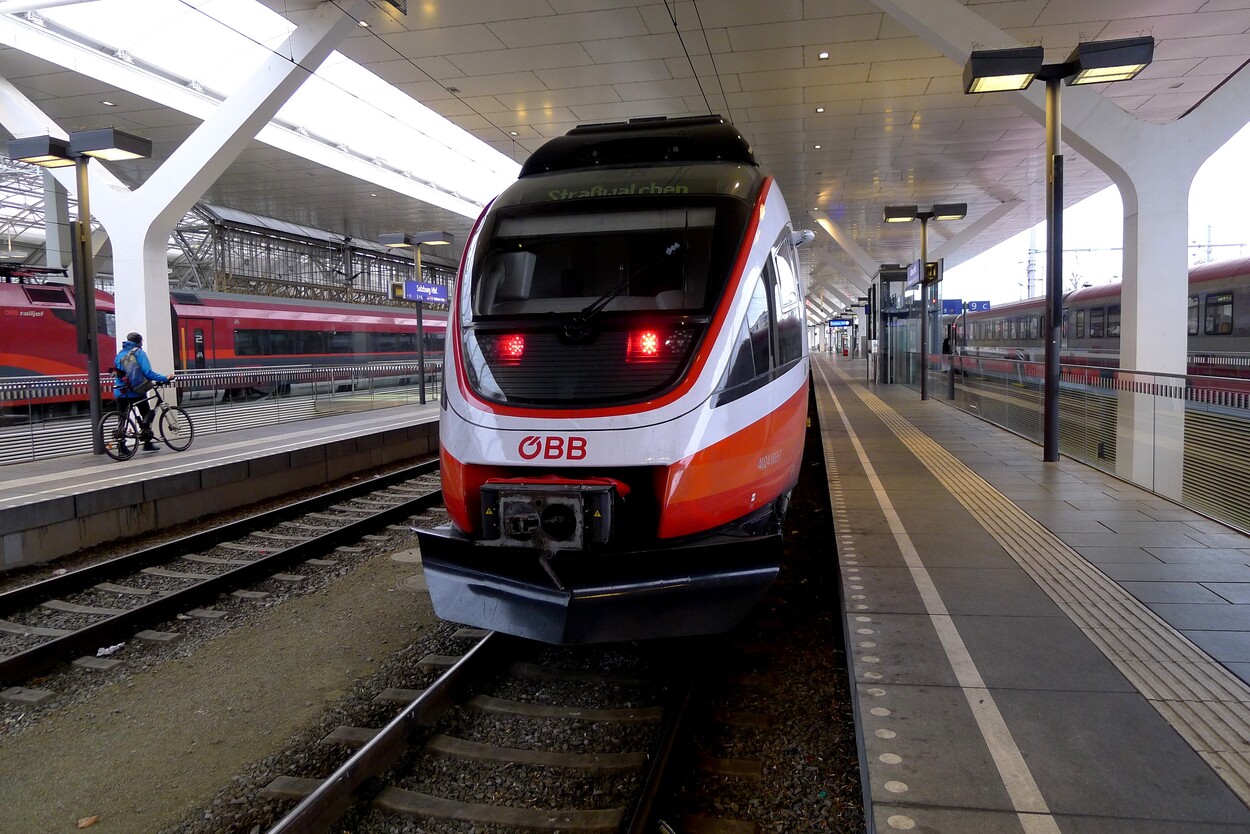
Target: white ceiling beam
{"x": 969, "y": 232}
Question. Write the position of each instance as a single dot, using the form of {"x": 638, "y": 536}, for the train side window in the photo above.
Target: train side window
{"x": 1219, "y": 320}
{"x": 1064, "y": 326}
{"x": 1034, "y": 327}
{"x": 1097, "y": 317}
{"x": 789, "y": 322}
{"x": 1193, "y": 315}
{"x": 753, "y": 352}
{"x": 1080, "y": 324}
{"x": 248, "y": 343}
{"x": 1113, "y": 321}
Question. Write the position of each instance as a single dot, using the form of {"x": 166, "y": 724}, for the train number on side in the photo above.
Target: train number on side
{"x": 552, "y": 447}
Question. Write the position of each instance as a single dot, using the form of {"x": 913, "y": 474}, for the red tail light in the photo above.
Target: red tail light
{"x": 644, "y": 346}
{"x": 512, "y": 348}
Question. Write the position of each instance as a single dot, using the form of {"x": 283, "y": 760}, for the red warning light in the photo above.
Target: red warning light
{"x": 643, "y": 346}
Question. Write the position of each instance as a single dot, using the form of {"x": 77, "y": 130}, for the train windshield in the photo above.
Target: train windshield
{"x": 628, "y": 239}
{"x": 579, "y": 271}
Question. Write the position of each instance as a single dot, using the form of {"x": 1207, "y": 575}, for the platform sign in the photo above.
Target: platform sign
{"x": 913, "y": 275}
{"x": 952, "y": 306}
{"x": 417, "y": 291}
{"x": 932, "y": 272}
{"x": 978, "y": 306}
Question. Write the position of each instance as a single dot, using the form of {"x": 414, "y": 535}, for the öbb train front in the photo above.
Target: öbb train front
{"x": 625, "y": 392}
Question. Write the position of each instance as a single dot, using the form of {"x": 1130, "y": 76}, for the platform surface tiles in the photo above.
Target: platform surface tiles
{"x": 1035, "y": 647}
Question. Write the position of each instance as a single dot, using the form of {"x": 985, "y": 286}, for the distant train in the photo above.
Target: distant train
{"x": 1218, "y": 324}
{"x": 211, "y": 331}
{"x": 626, "y": 391}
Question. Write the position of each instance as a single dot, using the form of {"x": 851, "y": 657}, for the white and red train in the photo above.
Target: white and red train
{"x": 211, "y": 331}
{"x": 625, "y": 391}
{"x": 1218, "y": 315}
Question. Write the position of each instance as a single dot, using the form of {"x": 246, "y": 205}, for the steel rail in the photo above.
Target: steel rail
{"x": 318, "y": 811}
{"x": 26, "y": 664}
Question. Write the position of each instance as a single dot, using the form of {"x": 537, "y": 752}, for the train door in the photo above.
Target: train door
{"x": 195, "y": 343}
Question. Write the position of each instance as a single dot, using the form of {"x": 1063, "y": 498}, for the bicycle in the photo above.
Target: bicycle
{"x": 173, "y": 426}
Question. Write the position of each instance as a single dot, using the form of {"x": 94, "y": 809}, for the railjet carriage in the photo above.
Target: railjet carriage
{"x": 626, "y": 391}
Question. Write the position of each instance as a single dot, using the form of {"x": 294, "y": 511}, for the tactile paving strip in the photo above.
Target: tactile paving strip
{"x": 1205, "y": 703}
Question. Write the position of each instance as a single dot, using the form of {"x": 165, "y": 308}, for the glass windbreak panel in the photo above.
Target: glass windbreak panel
{"x": 1219, "y": 320}
{"x": 1193, "y": 315}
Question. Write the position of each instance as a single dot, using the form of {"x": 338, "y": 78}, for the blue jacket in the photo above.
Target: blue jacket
{"x": 144, "y": 365}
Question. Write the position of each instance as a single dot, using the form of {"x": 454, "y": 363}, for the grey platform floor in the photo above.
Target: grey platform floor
{"x": 1035, "y": 647}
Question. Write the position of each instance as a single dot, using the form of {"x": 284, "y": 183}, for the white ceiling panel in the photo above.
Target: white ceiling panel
{"x": 896, "y": 127}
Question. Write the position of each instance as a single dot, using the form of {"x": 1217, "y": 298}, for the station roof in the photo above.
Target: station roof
{"x": 848, "y": 108}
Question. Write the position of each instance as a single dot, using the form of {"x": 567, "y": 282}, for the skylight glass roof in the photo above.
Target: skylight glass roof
{"x": 217, "y": 44}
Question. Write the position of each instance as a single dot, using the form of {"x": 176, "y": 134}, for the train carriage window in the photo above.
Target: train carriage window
{"x": 1193, "y": 315}
{"x": 1113, "y": 321}
{"x": 1080, "y": 324}
{"x": 339, "y": 342}
{"x": 1012, "y": 325}
{"x": 248, "y": 343}
{"x": 1034, "y": 327}
{"x": 1097, "y": 317}
{"x": 1064, "y": 325}
{"x": 280, "y": 343}
{"x": 1219, "y": 318}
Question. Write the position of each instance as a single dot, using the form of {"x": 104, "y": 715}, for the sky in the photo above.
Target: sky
{"x": 1093, "y": 235}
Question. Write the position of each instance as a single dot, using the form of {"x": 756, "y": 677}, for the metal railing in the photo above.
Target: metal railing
{"x": 43, "y": 417}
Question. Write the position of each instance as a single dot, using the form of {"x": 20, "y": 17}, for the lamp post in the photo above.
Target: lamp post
{"x": 1092, "y": 62}
{"x": 415, "y": 240}
{"x": 906, "y": 214}
{"x": 53, "y": 152}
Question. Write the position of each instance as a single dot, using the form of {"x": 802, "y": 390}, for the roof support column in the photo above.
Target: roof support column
{"x": 140, "y": 224}
{"x": 56, "y": 245}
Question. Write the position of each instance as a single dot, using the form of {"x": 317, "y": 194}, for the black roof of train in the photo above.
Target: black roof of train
{"x": 641, "y": 141}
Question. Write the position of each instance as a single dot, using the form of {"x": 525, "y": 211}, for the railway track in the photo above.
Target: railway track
{"x": 47, "y": 622}
{"x": 591, "y": 730}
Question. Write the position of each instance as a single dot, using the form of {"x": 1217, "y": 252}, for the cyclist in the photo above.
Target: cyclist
{"x": 134, "y": 376}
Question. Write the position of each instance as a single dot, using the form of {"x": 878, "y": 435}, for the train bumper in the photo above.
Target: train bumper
{"x": 704, "y": 587}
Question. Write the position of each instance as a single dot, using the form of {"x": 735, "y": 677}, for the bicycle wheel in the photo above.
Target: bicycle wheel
{"x": 121, "y": 440}
{"x": 175, "y": 428}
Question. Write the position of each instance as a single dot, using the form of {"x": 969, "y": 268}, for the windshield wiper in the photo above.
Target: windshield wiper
{"x": 578, "y": 327}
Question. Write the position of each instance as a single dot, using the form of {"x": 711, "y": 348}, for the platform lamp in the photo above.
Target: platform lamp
{"x": 111, "y": 145}
{"x": 906, "y": 214}
{"x": 1092, "y": 62}
{"x": 415, "y": 240}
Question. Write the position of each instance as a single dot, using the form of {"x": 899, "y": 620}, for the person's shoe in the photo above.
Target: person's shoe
{"x": 151, "y": 447}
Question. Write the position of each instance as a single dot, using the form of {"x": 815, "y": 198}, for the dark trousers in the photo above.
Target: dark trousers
{"x": 124, "y": 404}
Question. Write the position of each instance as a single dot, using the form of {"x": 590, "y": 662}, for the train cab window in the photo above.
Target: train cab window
{"x": 1113, "y": 321}
{"x": 1097, "y": 318}
{"x": 1219, "y": 318}
{"x": 1193, "y": 315}
{"x": 753, "y": 354}
{"x": 787, "y": 304}
{"x": 626, "y": 260}
{"x": 1080, "y": 324}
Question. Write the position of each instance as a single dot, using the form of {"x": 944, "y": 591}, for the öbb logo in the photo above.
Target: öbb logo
{"x": 552, "y": 447}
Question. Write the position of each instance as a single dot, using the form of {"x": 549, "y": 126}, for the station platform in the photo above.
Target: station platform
{"x": 1034, "y": 647}
{"x": 53, "y": 507}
